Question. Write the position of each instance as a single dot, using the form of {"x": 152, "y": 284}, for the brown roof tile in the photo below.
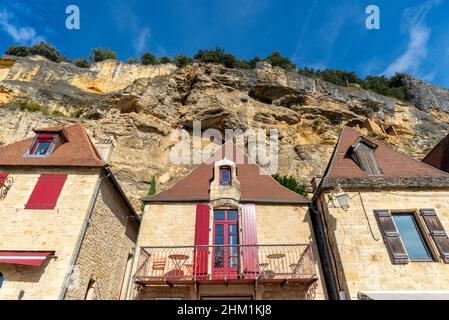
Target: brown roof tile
{"x": 77, "y": 150}
{"x": 254, "y": 186}
{"x": 394, "y": 164}
{"x": 438, "y": 157}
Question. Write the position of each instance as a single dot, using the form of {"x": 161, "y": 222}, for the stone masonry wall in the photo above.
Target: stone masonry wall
{"x": 109, "y": 243}
{"x": 42, "y": 230}
{"x": 362, "y": 257}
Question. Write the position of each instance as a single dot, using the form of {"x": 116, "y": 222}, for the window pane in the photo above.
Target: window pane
{"x": 219, "y": 229}
{"x": 411, "y": 237}
{"x": 219, "y": 215}
{"x": 225, "y": 177}
{"x": 42, "y": 147}
{"x": 1, "y": 279}
{"x": 233, "y": 262}
{"x": 232, "y": 229}
{"x": 219, "y": 240}
{"x": 232, "y": 215}
{"x": 233, "y": 240}
{"x": 219, "y": 257}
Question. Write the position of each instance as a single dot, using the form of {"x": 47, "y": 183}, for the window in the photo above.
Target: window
{"x": 1, "y": 279}
{"x": 412, "y": 238}
{"x": 41, "y": 145}
{"x": 46, "y": 192}
{"x": 363, "y": 154}
{"x": 226, "y": 238}
{"x": 225, "y": 176}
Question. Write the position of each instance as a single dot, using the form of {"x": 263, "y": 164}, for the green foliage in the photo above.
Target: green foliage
{"x": 219, "y": 56}
{"x": 132, "y": 61}
{"x": 291, "y": 183}
{"x": 78, "y": 113}
{"x": 152, "y": 190}
{"x": 394, "y": 86}
{"x": 24, "y": 105}
{"x": 58, "y": 113}
{"x": 148, "y": 58}
{"x": 165, "y": 60}
{"x": 42, "y": 48}
{"x": 253, "y": 62}
{"x": 48, "y": 51}
{"x": 317, "y": 122}
{"x": 81, "y": 63}
{"x": 277, "y": 60}
{"x": 18, "y": 51}
{"x": 102, "y": 54}
{"x": 182, "y": 60}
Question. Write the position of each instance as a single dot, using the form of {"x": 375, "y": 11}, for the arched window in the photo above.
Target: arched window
{"x": 1, "y": 279}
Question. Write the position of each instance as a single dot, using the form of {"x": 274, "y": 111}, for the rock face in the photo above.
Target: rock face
{"x": 138, "y": 107}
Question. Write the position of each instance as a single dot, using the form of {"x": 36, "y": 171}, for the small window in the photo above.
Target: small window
{"x": 411, "y": 237}
{"x": 41, "y": 146}
{"x": 1, "y": 279}
{"x": 225, "y": 176}
{"x": 363, "y": 154}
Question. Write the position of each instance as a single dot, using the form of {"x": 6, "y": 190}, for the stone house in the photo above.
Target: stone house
{"x": 68, "y": 230}
{"x": 227, "y": 230}
{"x": 382, "y": 217}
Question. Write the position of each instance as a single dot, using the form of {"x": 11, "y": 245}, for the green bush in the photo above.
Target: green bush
{"x": 102, "y": 54}
{"x": 218, "y": 56}
{"x": 165, "y": 60}
{"x": 18, "y": 51}
{"x": 182, "y": 60}
{"x": 132, "y": 61}
{"x": 81, "y": 63}
{"x": 277, "y": 60}
{"x": 24, "y": 105}
{"x": 148, "y": 58}
{"x": 291, "y": 183}
{"x": 78, "y": 113}
{"x": 152, "y": 190}
{"x": 48, "y": 51}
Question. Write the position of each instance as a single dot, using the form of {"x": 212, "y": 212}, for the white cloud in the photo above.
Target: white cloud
{"x": 22, "y": 35}
{"x": 140, "y": 41}
{"x": 413, "y": 23}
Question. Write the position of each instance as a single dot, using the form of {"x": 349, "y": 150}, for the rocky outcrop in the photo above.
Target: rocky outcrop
{"x": 138, "y": 107}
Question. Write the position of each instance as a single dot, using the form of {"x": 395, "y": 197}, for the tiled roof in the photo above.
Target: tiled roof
{"x": 438, "y": 157}
{"x": 76, "y": 150}
{"x": 394, "y": 164}
{"x": 255, "y": 186}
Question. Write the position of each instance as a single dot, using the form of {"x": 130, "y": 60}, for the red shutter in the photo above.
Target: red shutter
{"x": 250, "y": 255}
{"x": 3, "y": 176}
{"x": 46, "y": 192}
{"x": 202, "y": 239}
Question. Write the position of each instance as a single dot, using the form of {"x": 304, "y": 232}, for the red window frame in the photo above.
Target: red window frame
{"x": 41, "y": 138}
{"x": 227, "y": 254}
{"x": 225, "y": 182}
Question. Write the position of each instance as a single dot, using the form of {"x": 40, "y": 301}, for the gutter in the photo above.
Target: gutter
{"x": 76, "y": 253}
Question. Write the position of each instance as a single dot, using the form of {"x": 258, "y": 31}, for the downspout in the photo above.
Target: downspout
{"x": 75, "y": 256}
{"x": 131, "y": 278}
{"x": 324, "y": 251}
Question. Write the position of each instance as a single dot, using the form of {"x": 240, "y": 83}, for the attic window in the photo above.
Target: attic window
{"x": 41, "y": 146}
{"x": 363, "y": 154}
{"x": 225, "y": 176}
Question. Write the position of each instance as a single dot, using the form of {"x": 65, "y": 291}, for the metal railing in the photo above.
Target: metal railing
{"x": 218, "y": 264}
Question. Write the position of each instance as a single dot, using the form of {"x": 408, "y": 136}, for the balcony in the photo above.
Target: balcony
{"x": 237, "y": 264}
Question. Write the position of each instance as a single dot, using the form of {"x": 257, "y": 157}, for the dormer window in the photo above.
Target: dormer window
{"x": 363, "y": 154}
{"x": 42, "y": 145}
{"x": 225, "y": 176}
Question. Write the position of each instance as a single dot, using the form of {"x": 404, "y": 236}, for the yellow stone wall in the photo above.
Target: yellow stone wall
{"x": 363, "y": 259}
{"x": 42, "y": 230}
{"x": 106, "y": 249}
{"x": 174, "y": 225}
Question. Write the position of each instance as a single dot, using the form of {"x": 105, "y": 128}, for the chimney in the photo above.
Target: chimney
{"x": 105, "y": 147}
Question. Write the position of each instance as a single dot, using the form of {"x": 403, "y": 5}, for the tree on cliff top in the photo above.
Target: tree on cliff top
{"x": 102, "y": 54}
{"x": 148, "y": 58}
{"x": 43, "y": 49}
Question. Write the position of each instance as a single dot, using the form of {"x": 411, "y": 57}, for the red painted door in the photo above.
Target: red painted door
{"x": 201, "y": 242}
{"x": 225, "y": 263}
{"x": 250, "y": 254}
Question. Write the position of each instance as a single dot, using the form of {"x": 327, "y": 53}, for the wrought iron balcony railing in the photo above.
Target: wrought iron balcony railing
{"x": 225, "y": 264}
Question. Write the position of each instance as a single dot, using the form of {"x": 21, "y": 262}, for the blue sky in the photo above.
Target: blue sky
{"x": 413, "y": 35}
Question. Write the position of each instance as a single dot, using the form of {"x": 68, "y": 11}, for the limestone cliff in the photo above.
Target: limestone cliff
{"x": 139, "y": 106}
